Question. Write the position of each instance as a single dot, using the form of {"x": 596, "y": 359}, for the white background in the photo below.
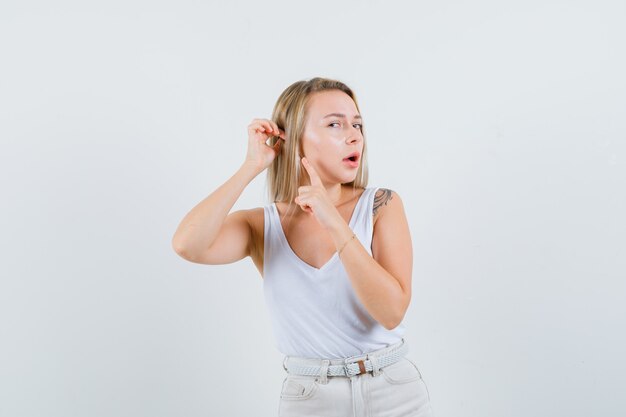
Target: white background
{"x": 500, "y": 124}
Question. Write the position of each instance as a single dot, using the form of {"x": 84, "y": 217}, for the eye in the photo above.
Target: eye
{"x": 334, "y": 123}
{"x": 360, "y": 126}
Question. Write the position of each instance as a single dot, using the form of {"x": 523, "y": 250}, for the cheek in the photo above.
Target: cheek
{"x": 312, "y": 144}
{"x": 318, "y": 146}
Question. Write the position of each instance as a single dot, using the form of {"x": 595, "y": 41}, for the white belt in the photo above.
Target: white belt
{"x": 348, "y": 369}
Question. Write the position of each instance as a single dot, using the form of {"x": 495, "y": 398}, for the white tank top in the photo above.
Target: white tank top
{"x": 315, "y": 313}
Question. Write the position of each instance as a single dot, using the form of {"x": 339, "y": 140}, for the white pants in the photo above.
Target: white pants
{"x": 392, "y": 391}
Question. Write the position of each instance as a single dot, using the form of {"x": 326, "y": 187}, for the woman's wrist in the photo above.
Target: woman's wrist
{"x": 250, "y": 168}
{"x": 341, "y": 234}
{"x": 346, "y": 243}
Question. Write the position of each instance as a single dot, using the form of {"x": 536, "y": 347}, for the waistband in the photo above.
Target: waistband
{"x": 351, "y": 366}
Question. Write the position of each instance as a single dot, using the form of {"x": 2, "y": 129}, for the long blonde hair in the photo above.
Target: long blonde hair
{"x": 285, "y": 174}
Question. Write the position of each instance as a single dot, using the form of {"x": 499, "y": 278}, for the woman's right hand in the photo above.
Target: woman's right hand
{"x": 260, "y": 154}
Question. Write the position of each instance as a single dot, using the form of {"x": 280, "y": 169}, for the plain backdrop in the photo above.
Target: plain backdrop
{"x": 500, "y": 124}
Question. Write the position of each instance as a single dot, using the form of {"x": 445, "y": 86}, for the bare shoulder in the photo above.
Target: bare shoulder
{"x": 385, "y": 201}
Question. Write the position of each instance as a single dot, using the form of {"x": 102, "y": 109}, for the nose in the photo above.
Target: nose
{"x": 354, "y": 135}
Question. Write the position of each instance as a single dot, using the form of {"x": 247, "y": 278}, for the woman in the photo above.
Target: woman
{"x": 334, "y": 254}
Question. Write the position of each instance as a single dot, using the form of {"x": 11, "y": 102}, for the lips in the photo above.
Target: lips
{"x": 352, "y": 160}
{"x": 354, "y": 156}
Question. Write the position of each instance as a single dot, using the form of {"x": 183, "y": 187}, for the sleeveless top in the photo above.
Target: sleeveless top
{"x": 315, "y": 313}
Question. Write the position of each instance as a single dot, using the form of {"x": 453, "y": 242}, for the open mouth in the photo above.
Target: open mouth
{"x": 352, "y": 160}
{"x": 353, "y": 157}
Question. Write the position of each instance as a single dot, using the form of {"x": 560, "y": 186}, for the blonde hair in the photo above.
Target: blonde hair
{"x": 285, "y": 174}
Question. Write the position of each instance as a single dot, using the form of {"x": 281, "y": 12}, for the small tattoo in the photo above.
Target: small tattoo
{"x": 383, "y": 195}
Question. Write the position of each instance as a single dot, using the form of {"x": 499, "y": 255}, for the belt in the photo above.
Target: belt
{"x": 348, "y": 368}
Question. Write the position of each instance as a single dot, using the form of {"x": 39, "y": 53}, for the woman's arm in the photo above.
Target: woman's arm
{"x": 382, "y": 281}
{"x": 208, "y": 234}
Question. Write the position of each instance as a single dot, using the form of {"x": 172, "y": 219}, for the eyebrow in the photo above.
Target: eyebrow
{"x": 340, "y": 115}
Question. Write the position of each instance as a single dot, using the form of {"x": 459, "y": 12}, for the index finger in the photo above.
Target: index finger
{"x": 315, "y": 179}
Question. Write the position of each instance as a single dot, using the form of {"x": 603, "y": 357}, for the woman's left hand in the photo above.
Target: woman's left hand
{"x": 314, "y": 199}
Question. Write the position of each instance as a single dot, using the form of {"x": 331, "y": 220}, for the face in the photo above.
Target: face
{"x": 332, "y": 133}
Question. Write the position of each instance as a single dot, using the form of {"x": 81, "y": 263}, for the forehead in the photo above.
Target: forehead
{"x": 331, "y": 101}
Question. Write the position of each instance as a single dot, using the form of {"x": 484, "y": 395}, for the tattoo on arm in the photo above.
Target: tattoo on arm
{"x": 381, "y": 198}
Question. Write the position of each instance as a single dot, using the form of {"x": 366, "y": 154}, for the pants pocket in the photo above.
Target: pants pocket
{"x": 298, "y": 388}
{"x": 302, "y": 396}
{"x": 400, "y": 391}
{"x": 401, "y": 372}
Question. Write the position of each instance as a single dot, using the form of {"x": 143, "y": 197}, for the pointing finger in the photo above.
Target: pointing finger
{"x": 315, "y": 179}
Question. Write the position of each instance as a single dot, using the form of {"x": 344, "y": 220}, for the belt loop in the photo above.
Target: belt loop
{"x": 375, "y": 365}
{"x": 323, "y": 379}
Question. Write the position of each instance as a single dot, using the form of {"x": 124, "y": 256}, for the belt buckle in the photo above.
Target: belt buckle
{"x": 362, "y": 369}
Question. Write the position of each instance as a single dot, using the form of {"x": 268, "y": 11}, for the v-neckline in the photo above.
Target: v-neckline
{"x": 335, "y": 255}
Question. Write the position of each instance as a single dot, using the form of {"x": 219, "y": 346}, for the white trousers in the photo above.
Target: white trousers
{"x": 391, "y": 391}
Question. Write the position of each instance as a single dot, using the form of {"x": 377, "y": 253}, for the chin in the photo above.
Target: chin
{"x": 347, "y": 179}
